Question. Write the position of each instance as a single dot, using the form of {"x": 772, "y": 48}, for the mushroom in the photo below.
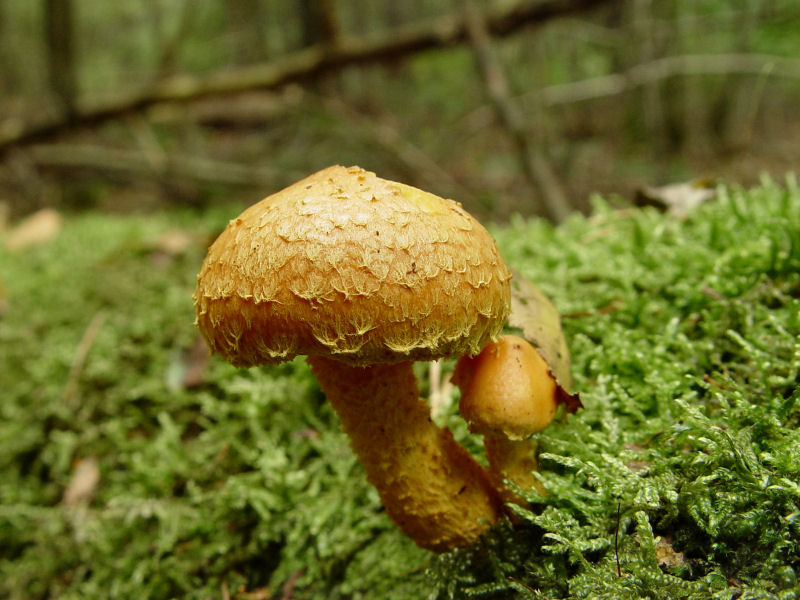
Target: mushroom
{"x": 508, "y": 394}
{"x": 364, "y": 276}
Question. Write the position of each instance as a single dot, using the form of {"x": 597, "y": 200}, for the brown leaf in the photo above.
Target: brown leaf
{"x": 196, "y": 360}
{"x": 537, "y": 317}
{"x": 5, "y": 211}
{"x": 571, "y": 401}
{"x": 287, "y": 591}
{"x": 38, "y": 228}
{"x": 168, "y": 246}
{"x": 254, "y": 594}
{"x": 186, "y": 368}
{"x": 3, "y": 300}
{"x": 677, "y": 199}
{"x": 83, "y": 484}
{"x": 666, "y": 556}
{"x": 174, "y": 242}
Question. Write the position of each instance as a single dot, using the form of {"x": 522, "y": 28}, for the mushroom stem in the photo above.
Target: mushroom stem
{"x": 508, "y": 394}
{"x": 515, "y": 461}
{"x": 432, "y": 488}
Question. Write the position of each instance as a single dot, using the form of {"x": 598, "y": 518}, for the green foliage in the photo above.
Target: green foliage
{"x": 243, "y": 482}
{"x": 680, "y": 478}
{"x": 686, "y": 347}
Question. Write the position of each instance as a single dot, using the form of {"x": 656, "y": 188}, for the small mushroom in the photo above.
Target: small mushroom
{"x": 365, "y": 276}
{"x": 508, "y": 394}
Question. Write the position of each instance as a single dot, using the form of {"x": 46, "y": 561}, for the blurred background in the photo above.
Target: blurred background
{"x": 509, "y": 106}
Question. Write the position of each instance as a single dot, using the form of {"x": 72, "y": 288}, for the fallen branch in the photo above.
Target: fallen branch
{"x": 305, "y": 64}
{"x": 666, "y": 68}
{"x": 130, "y": 163}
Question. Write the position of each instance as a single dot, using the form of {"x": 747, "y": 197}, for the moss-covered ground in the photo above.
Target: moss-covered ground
{"x": 125, "y": 475}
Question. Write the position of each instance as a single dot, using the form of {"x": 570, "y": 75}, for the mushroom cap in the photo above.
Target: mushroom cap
{"x": 507, "y": 389}
{"x": 351, "y": 266}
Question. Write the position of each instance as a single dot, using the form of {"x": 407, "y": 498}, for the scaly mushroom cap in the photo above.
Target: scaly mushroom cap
{"x": 347, "y": 265}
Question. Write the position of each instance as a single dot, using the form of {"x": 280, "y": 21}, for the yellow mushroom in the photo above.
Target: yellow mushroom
{"x": 365, "y": 276}
{"x": 507, "y": 395}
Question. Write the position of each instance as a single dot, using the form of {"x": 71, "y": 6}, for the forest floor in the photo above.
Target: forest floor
{"x": 133, "y": 465}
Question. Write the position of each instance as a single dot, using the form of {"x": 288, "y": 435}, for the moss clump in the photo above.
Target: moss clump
{"x": 681, "y": 478}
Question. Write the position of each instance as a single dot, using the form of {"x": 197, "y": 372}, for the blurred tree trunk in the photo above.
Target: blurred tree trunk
{"x": 170, "y": 41}
{"x": 248, "y": 26}
{"x": 60, "y": 56}
{"x": 319, "y": 28}
{"x": 694, "y": 100}
{"x": 6, "y": 74}
{"x": 645, "y": 49}
{"x": 318, "y": 18}
{"x": 741, "y": 97}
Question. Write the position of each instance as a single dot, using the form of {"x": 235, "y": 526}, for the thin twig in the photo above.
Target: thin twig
{"x": 534, "y": 164}
{"x": 79, "y": 359}
{"x": 519, "y": 583}
{"x": 616, "y": 541}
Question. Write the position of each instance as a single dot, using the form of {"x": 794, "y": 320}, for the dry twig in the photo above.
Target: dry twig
{"x": 89, "y": 335}
{"x": 535, "y": 165}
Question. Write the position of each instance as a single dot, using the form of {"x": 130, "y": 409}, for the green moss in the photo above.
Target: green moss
{"x": 680, "y": 478}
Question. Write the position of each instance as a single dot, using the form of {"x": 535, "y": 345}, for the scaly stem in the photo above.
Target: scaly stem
{"x": 431, "y": 486}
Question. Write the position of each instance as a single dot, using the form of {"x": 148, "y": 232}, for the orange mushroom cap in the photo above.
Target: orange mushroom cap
{"x": 351, "y": 266}
{"x": 507, "y": 389}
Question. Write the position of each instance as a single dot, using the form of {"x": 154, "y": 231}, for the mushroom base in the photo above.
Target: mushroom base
{"x": 432, "y": 488}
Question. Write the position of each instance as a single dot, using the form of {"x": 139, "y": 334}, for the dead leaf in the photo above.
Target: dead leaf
{"x": 677, "y": 199}
{"x": 536, "y": 316}
{"x": 287, "y": 591}
{"x": 570, "y": 400}
{"x": 5, "y": 211}
{"x": 637, "y": 466}
{"x": 666, "y": 556}
{"x": 174, "y": 242}
{"x": 195, "y": 362}
{"x": 255, "y": 594}
{"x": 3, "y": 300}
{"x": 187, "y": 366}
{"x": 83, "y": 484}
{"x": 168, "y": 246}
{"x": 38, "y": 228}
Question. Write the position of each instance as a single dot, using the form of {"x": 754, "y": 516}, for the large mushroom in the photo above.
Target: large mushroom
{"x": 365, "y": 276}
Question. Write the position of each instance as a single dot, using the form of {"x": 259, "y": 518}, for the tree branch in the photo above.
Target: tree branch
{"x": 666, "y": 68}
{"x": 129, "y": 163}
{"x": 534, "y": 164}
{"x": 683, "y": 65}
{"x": 302, "y": 65}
